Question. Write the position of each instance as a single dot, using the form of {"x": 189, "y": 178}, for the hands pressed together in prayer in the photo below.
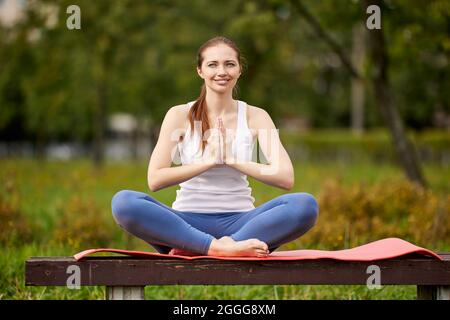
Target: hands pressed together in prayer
{"x": 219, "y": 145}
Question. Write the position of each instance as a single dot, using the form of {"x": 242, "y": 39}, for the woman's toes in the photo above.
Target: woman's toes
{"x": 261, "y": 253}
{"x": 263, "y": 245}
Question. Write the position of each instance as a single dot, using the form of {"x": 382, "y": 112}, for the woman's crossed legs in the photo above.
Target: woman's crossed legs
{"x": 278, "y": 221}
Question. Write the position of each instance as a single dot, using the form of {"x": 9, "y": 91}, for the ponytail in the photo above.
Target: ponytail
{"x": 198, "y": 112}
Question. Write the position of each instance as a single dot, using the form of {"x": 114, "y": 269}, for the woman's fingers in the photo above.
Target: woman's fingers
{"x": 222, "y": 127}
{"x": 214, "y": 143}
{"x": 223, "y": 140}
{"x": 221, "y": 134}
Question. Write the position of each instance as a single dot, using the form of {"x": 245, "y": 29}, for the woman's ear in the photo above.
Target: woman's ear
{"x": 199, "y": 71}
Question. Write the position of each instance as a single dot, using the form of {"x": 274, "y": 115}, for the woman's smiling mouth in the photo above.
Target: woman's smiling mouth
{"x": 222, "y": 81}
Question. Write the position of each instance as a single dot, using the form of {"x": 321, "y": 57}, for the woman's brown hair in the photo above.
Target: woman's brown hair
{"x": 198, "y": 111}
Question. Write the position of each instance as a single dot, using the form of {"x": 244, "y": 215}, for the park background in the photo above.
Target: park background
{"x": 364, "y": 115}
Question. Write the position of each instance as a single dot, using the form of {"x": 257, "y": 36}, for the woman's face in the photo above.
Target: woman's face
{"x": 220, "y": 68}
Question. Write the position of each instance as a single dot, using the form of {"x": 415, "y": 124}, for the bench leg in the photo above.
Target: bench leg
{"x": 125, "y": 293}
{"x": 433, "y": 292}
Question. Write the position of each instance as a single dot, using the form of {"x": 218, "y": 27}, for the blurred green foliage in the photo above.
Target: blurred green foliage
{"x": 139, "y": 57}
{"x": 374, "y": 145}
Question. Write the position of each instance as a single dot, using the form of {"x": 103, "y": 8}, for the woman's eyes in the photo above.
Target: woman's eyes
{"x": 228, "y": 65}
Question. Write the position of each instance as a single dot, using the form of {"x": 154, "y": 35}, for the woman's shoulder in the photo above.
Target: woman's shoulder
{"x": 178, "y": 113}
{"x": 254, "y": 110}
{"x": 256, "y": 116}
{"x": 180, "y": 108}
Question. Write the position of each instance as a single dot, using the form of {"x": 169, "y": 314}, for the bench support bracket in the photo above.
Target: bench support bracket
{"x": 125, "y": 293}
{"x": 433, "y": 292}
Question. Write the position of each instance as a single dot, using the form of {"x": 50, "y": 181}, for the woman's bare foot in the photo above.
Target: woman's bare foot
{"x": 227, "y": 247}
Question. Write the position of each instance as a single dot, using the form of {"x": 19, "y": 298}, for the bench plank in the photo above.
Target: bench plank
{"x": 129, "y": 271}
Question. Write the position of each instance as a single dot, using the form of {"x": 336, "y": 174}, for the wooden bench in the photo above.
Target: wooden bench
{"x": 126, "y": 277}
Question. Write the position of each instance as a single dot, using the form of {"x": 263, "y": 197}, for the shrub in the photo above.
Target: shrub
{"x": 14, "y": 227}
{"x": 355, "y": 215}
{"x": 82, "y": 224}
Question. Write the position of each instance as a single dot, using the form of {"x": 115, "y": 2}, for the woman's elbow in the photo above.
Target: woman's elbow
{"x": 156, "y": 181}
{"x": 152, "y": 183}
{"x": 288, "y": 185}
{"x": 152, "y": 187}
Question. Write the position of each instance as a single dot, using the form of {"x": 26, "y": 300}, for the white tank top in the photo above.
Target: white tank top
{"x": 221, "y": 188}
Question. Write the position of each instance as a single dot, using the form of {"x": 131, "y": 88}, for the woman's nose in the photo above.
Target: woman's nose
{"x": 221, "y": 70}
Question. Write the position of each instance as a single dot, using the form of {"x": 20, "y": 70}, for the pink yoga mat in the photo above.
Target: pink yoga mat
{"x": 377, "y": 250}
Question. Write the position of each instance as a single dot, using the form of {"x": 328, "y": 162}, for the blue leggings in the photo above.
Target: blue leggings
{"x": 278, "y": 221}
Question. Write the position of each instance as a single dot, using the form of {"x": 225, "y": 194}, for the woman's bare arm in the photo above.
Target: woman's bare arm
{"x": 279, "y": 171}
{"x": 160, "y": 173}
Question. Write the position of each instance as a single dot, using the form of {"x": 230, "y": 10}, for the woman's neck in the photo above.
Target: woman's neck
{"x": 219, "y": 105}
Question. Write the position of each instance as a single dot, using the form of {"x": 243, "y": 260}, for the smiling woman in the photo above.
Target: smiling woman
{"x": 214, "y": 212}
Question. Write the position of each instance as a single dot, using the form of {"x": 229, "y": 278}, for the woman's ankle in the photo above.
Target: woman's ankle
{"x": 216, "y": 247}
{"x": 227, "y": 239}
{"x": 212, "y": 247}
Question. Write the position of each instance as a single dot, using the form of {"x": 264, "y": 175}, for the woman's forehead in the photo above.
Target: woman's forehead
{"x": 219, "y": 53}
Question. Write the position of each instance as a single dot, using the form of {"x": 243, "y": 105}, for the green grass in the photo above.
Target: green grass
{"x": 42, "y": 190}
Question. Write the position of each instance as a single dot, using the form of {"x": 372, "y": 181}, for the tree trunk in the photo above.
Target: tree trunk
{"x": 405, "y": 151}
{"x": 357, "y": 84}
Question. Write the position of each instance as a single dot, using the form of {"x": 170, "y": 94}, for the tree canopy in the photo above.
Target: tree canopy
{"x": 139, "y": 57}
